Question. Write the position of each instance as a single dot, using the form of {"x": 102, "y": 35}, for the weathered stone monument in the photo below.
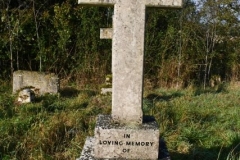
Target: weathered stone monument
{"x": 126, "y": 134}
{"x": 40, "y": 82}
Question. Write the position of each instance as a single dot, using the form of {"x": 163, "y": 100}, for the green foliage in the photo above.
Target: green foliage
{"x": 53, "y": 127}
{"x": 197, "y": 126}
{"x": 195, "y": 123}
{"x": 7, "y": 109}
{"x": 182, "y": 47}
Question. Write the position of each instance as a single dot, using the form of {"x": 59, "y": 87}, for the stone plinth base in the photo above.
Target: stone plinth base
{"x": 87, "y": 152}
{"x": 114, "y": 141}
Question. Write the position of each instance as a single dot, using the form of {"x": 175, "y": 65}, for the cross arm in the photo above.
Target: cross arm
{"x": 97, "y": 2}
{"x": 164, "y": 3}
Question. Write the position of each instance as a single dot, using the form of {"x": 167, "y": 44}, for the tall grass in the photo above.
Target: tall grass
{"x": 53, "y": 127}
{"x": 196, "y": 124}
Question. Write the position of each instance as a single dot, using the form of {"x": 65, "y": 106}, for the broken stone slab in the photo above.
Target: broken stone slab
{"x": 26, "y": 96}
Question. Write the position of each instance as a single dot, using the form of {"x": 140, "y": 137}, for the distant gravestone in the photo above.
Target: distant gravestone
{"x": 107, "y": 87}
{"x": 126, "y": 134}
{"x": 39, "y": 82}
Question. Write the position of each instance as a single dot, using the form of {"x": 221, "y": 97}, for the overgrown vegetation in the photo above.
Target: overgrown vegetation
{"x": 198, "y": 44}
{"x": 199, "y": 124}
{"x": 196, "y": 124}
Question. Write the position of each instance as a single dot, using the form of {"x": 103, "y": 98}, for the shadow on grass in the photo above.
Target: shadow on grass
{"x": 69, "y": 92}
{"x": 161, "y": 97}
{"x": 217, "y": 153}
{"x": 150, "y": 100}
{"x": 56, "y": 102}
{"x": 221, "y": 88}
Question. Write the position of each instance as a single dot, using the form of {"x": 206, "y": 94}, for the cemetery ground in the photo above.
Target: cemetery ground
{"x": 196, "y": 124}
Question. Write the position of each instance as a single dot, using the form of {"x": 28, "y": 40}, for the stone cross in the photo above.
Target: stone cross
{"x": 128, "y": 55}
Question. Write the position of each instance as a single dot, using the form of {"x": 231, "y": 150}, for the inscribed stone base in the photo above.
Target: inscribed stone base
{"x": 87, "y": 152}
{"x": 114, "y": 141}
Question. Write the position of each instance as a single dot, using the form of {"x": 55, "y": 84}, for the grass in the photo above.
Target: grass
{"x": 199, "y": 124}
{"x": 196, "y": 124}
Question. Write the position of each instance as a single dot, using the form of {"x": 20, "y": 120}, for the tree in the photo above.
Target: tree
{"x": 218, "y": 19}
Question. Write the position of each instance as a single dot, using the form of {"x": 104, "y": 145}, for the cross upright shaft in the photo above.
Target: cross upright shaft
{"x": 128, "y": 55}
